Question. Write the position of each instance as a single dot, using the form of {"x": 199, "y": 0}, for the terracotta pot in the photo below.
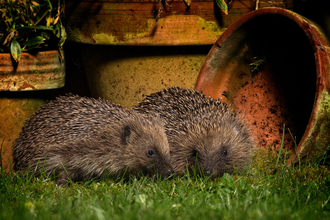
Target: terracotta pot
{"x": 125, "y": 75}
{"x": 15, "y": 108}
{"x": 42, "y": 70}
{"x": 273, "y": 65}
{"x": 275, "y": 3}
{"x": 39, "y": 71}
{"x": 130, "y": 22}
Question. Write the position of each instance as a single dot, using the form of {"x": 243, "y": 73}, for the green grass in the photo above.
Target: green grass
{"x": 267, "y": 190}
{"x": 301, "y": 192}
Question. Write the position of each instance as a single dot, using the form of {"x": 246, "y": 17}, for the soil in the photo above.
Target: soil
{"x": 265, "y": 109}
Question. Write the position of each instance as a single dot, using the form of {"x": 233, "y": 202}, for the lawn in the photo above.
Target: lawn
{"x": 300, "y": 192}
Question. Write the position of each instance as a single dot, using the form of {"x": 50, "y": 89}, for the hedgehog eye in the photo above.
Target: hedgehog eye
{"x": 224, "y": 152}
{"x": 151, "y": 153}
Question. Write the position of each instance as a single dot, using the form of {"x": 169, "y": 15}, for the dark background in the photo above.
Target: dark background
{"x": 315, "y": 10}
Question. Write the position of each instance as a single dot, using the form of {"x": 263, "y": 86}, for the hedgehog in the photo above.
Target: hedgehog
{"x": 205, "y": 135}
{"x": 86, "y": 138}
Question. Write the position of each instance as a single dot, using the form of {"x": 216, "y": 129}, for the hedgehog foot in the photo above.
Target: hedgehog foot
{"x": 62, "y": 180}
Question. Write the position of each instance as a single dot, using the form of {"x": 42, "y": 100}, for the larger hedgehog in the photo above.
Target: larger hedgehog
{"x": 91, "y": 137}
{"x": 201, "y": 129}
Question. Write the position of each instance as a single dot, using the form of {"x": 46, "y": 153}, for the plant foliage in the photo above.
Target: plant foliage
{"x": 222, "y": 5}
{"x": 27, "y": 25}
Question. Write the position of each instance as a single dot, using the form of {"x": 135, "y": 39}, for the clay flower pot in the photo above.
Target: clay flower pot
{"x": 124, "y": 57}
{"x": 38, "y": 71}
{"x": 128, "y": 22}
{"x": 273, "y": 65}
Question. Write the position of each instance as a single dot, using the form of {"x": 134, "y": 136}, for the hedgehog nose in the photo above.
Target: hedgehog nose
{"x": 208, "y": 172}
{"x": 169, "y": 172}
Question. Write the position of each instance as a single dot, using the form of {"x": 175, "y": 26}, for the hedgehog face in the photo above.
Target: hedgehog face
{"x": 211, "y": 157}
{"x": 147, "y": 150}
{"x": 222, "y": 149}
{"x": 219, "y": 154}
{"x": 215, "y": 159}
{"x": 208, "y": 156}
{"x": 156, "y": 162}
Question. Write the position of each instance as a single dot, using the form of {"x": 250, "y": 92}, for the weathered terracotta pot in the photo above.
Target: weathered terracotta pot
{"x": 39, "y": 71}
{"x": 273, "y": 65}
{"x": 125, "y": 75}
{"x": 42, "y": 70}
{"x": 131, "y": 22}
{"x": 114, "y": 37}
{"x": 275, "y": 3}
{"x": 15, "y": 108}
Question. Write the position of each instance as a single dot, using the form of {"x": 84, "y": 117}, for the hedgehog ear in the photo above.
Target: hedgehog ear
{"x": 126, "y": 134}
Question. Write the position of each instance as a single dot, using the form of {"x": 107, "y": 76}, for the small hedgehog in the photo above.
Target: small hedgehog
{"x": 201, "y": 129}
{"x": 91, "y": 137}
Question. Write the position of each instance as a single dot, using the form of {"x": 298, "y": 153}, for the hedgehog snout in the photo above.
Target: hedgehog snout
{"x": 208, "y": 170}
{"x": 169, "y": 172}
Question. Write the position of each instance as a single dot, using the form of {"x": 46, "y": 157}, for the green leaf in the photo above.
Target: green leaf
{"x": 39, "y": 27}
{"x": 44, "y": 34}
{"x": 63, "y": 36}
{"x": 15, "y": 50}
{"x": 223, "y": 5}
{"x": 34, "y": 41}
{"x": 188, "y": 2}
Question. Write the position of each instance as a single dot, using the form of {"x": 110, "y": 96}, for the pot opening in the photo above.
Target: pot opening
{"x": 266, "y": 69}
